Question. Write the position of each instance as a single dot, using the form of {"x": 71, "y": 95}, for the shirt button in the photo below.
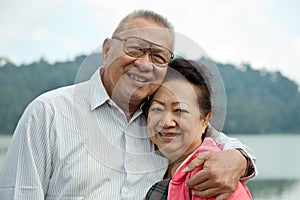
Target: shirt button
{"x": 125, "y": 190}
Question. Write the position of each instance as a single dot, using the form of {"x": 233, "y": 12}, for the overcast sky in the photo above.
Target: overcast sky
{"x": 263, "y": 33}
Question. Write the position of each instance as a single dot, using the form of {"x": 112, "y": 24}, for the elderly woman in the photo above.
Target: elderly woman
{"x": 178, "y": 122}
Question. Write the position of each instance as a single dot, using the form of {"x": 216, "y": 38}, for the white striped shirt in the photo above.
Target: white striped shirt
{"x": 76, "y": 143}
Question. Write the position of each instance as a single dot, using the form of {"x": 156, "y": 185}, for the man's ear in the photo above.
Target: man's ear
{"x": 105, "y": 49}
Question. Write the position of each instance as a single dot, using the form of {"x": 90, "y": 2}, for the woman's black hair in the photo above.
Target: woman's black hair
{"x": 195, "y": 73}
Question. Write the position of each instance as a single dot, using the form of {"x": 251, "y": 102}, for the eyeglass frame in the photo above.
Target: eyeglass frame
{"x": 150, "y": 48}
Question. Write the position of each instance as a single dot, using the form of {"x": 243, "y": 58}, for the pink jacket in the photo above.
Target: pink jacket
{"x": 177, "y": 188}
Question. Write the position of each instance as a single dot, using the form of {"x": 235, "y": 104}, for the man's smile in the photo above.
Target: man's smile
{"x": 138, "y": 78}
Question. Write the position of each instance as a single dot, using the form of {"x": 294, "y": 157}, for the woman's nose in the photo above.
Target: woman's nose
{"x": 168, "y": 120}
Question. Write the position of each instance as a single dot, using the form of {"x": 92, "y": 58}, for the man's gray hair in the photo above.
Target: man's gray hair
{"x": 145, "y": 14}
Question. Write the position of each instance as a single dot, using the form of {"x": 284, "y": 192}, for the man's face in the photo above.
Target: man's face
{"x": 133, "y": 79}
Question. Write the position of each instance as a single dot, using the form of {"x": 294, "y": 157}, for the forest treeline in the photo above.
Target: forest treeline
{"x": 258, "y": 101}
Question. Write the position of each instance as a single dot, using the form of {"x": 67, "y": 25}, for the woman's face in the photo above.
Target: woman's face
{"x": 175, "y": 123}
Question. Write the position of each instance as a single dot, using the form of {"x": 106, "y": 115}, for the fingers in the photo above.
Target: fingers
{"x": 216, "y": 179}
{"x": 196, "y": 162}
{"x": 219, "y": 176}
{"x": 207, "y": 184}
{"x": 218, "y": 192}
{"x": 223, "y": 196}
{"x": 199, "y": 180}
{"x": 209, "y": 193}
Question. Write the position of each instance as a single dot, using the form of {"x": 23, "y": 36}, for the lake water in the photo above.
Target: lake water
{"x": 278, "y": 164}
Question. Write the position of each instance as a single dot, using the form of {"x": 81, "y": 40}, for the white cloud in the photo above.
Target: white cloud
{"x": 229, "y": 31}
{"x": 40, "y": 34}
{"x": 289, "y": 61}
{"x": 74, "y": 44}
{"x": 12, "y": 58}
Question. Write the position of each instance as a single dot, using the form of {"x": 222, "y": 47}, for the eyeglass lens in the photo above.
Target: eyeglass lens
{"x": 137, "y": 47}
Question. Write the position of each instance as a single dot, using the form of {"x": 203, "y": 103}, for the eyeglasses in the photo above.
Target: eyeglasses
{"x": 137, "y": 47}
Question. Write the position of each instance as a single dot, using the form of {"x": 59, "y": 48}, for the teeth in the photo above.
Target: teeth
{"x": 136, "y": 78}
{"x": 168, "y": 134}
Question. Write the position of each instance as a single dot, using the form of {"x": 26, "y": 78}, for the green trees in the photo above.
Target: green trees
{"x": 257, "y": 101}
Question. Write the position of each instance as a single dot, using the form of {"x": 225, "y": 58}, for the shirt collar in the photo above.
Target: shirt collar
{"x": 98, "y": 94}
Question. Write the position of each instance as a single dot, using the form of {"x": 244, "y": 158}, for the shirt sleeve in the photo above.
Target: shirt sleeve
{"x": 26, "y": 170}
{"x": 226, "y": 143}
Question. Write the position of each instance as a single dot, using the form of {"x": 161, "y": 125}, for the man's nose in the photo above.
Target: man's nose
{"x": 144, "y": 62}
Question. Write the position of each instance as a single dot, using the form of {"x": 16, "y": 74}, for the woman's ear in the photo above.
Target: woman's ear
{"x": 207, "y": 119}
{"x": 105, "y": 49}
